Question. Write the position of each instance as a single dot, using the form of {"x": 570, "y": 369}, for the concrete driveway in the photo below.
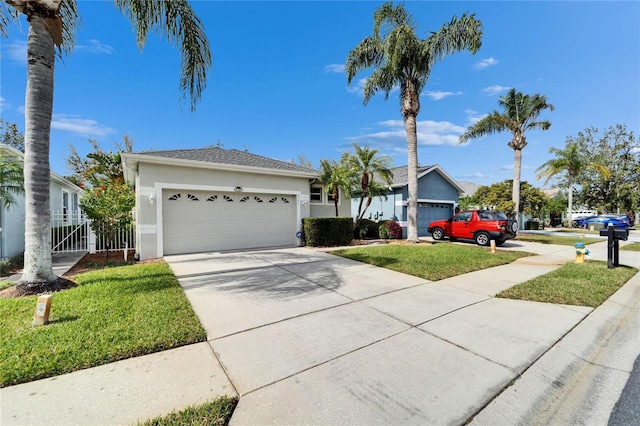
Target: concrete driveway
{"x": 310, "y": 338}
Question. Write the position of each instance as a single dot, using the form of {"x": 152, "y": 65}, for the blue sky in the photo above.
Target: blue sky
{"x": 277, "y": 87}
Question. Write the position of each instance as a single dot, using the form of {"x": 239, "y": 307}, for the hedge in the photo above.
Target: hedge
{"x": 327, "y": 231}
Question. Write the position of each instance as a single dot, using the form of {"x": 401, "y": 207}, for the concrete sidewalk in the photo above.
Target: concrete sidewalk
{"x": 62, "y": 262}
{"x": 305, "y": 337}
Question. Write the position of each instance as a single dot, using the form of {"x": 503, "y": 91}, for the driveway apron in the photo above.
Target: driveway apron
{"x": 311, "y": 338}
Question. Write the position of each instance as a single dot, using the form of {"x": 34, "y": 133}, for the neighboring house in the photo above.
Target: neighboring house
{"x": 469, "y": 188}
{"x": 65, "y": 208}
{"x": 214, "y": 199}
{"x": 438, "y": 196}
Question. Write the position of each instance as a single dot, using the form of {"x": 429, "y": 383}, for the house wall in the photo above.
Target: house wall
{"x": 153, "y": 178}
{"x": 12, "y": 233}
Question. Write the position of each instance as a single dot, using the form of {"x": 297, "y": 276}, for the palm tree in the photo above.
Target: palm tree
{"x": 402, "y": 60}
{"x": 572, "y": 162}
{"x": 11, "y": 181}
{"x": 366, "y": 166}
{"x": 519, "y": 114}
{"x": 335, "y": 178}
{"x": 52, "y": 23}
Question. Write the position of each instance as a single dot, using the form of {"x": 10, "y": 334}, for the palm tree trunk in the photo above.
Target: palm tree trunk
{"x": 517, "y": 166}
{"x": 412, "y": 166}
{"x": 38, "y": 109}
{"x": 570, "y": 206}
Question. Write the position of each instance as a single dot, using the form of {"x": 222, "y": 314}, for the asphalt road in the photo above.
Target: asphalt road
{"x": 626, "y": 412}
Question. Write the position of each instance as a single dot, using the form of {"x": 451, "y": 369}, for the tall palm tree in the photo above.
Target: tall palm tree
{"x": 11, "y": 181}
{"x": 402, "y": 60}
{"x": 51, "y": 24}
{"x": 372, "y": 175}
{"x": 572, "y": 162}
{"x": 335, "y": 177}
{"x": 519, "y": 114}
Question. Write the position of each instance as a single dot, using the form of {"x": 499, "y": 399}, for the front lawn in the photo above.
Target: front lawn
{"x": 113, "y": 314}
{"x": 555, "y": 239}
{"x": 431, "y": 262}
{"x": 585, "y": 284}
{"x": 215, "y": 413}
{"x": 631, "y": 247}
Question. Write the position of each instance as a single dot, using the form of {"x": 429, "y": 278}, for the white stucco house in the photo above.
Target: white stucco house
{"x": 65, "y": 208}
{"x": 215, "y": 199}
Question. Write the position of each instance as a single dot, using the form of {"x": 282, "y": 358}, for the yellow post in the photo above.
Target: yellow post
{"x": 43, "y": 307}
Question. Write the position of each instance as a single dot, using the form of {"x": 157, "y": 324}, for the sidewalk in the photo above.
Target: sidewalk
{"x": 306, "y": 371}
{"x": 62, "y": 262}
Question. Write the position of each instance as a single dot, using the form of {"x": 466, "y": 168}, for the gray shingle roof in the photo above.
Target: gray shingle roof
{"x": 401, "y": 174}
{"x": 229, "y": 156}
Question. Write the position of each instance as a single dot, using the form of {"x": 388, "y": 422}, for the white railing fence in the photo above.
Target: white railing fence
{"x": 71, "y": 232}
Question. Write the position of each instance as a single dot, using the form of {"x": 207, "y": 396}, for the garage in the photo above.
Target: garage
{"x": 196, "y": 221}
{"x": 428, "y": 212}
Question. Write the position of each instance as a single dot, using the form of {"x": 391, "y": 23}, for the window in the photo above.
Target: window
{"x": 65, "y": 206}
{"x": 463, "y": 217}
{"x": 74, "y": 203}
{"x": 316, "y": 194}
{"x": 330, "y": 198}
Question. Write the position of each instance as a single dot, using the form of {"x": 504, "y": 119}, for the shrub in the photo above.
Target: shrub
{"x": 390, "y": 229}
{"x": 327, "y": 231}
{"x": 367, "y": 228}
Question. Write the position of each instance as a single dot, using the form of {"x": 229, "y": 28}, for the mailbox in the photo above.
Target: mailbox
{"x": 614, "y": 235}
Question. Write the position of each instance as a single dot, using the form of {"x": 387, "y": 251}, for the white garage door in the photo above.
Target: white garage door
{"x": 197, "y": 221}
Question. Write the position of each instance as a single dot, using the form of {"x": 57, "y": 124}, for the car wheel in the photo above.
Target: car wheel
{"x": 513, "y": 226}
{"x": 482, "y": 238}
{"x": 437, "y": 234}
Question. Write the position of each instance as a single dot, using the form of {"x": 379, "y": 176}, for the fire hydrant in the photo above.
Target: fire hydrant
{"x": 581, "y": 252}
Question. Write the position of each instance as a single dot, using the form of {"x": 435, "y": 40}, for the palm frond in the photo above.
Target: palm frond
{"x": 456, "y": 35}
{"x": 492, "y": 123}
{"x": 176, "y": 20}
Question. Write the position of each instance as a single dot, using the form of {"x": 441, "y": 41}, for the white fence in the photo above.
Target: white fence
{"x": 71, "y": 232}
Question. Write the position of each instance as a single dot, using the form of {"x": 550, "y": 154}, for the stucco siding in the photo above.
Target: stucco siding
{"x": 154, "y": 178}
{"x": 433, "y": 186}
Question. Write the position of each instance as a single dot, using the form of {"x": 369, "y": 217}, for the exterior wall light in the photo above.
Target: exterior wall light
{"x": 152, "y": 199}
{"x": 238, "y": 189}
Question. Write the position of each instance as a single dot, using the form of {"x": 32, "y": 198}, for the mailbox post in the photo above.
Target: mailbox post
{"x": 614, "y": 235}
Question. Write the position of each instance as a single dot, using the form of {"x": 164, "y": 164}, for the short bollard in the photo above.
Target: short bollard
{"x": 493, "y": 246}
{"x": 581, "y": 252}
{"x": 43, "y": 307}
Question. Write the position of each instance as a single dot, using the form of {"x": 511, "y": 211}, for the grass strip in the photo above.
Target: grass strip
{"x": 431, "y": 262}
{"x": 586, "y": 284}
{"x": 214, "y": 413}
{"x": 561, "y": 240}
{"x": 113, "y": 314}
{"x": 631, "y": 247}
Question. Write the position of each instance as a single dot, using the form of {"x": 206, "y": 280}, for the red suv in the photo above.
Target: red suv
{"x": 479, "y": 225}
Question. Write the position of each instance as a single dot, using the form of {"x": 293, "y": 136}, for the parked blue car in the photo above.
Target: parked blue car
{"x": 603, "y": 220}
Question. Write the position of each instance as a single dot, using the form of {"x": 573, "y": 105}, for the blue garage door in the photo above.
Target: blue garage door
{"x": 428, "y": 212}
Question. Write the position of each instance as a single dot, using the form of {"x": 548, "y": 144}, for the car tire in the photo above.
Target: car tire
{"x": 437, "y": 234}
{"x": 513, "y": 226}
{"x": 482, "y": 238}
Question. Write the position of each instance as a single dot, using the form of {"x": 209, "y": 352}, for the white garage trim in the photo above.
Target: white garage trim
{"x": 161, "y": 186}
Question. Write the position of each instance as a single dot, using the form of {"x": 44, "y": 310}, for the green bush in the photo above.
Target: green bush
{"x": 390, "y": 229}
{"x": 327, "y": 231}
{"x": 367, "y": 228}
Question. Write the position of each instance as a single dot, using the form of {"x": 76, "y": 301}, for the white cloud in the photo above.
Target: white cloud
{"x": 3, "y": 104}
{"x": 473, "y": 117}
{"x": 357, "y": 87}
{"x": 475, "y": 175}
{"x": 80, "y": 126}
{"x": 334, "y": 68}
{"x": 429, "y": 133}
{"x": 485, "y": 63}
{"x": 495, "y": 90}
{"x": 16, "y": 51}
{"x": 436, "y": 96}
{"x": 96, "y": 47}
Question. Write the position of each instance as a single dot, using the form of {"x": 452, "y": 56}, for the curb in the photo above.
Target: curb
{"x": 580, "y": 379}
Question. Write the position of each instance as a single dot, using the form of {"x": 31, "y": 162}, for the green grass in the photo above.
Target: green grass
{"x": 215, "y": 413}
{"x": 6, "y": 284}
{"x": 631, "y": 247}
{"x": 586, "y": 284}
{"x": 114, "y": 314}
{"x": 555, "y": 239}
{"x": 431, "y": 262}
